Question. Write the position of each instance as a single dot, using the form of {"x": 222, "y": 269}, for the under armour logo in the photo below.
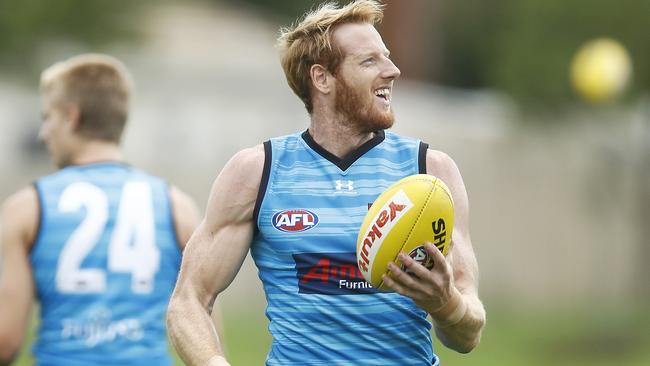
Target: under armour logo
{"x": 347, "y": 183}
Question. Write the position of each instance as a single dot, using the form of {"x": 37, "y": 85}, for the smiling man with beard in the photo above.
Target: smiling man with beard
{"x": 297, "y": 203}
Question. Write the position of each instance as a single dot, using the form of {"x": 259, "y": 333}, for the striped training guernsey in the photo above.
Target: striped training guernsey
{"x": 105, "y": 263}
{"x": 309, "y": 210}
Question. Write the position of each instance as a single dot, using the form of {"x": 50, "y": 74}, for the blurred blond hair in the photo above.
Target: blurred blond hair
{"x": 99, "y": 85}
{"x": 309, "y": 41}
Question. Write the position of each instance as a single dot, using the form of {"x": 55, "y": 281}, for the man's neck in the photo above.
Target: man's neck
{"x": 96, "y": 151}
{"x": 336, "y": 136}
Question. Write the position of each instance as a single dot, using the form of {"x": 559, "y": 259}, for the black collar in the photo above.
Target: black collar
{"x": 345, "y": 162}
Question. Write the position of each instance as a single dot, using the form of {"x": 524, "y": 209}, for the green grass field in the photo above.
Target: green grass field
{"x": 560, "y": 339}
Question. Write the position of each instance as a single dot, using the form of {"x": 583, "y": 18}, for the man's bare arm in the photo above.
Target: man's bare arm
{"x": 449, "y": 291}
{"x": 17, "y": 233}
{"x": 186, "y": 219}
{"x": 467, "y": 308}
{"x": 213, "y": 257}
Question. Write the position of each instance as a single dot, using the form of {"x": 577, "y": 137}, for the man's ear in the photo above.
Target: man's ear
{"x": 73, "y": 116}
{"x": 321, "y": 78}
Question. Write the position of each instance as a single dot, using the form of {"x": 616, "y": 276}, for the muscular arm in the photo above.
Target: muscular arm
{"x": 449, "y": 291}
{"x": 186, "y": 219}
{"x": 466, "y": 333}
{"x": 17, "y": 232}
{"x": 213, "y": 257}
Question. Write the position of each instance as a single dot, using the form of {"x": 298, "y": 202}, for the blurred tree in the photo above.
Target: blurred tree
{"x": 288, "y": 9}
{"x": 26, "y": 25}
{"x": 524, "y": 47}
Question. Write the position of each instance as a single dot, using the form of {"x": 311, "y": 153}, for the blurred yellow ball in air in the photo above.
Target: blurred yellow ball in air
{"x": 601, "y": 70}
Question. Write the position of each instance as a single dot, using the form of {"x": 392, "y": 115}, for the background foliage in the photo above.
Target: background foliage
{"x": 521, "y": 47}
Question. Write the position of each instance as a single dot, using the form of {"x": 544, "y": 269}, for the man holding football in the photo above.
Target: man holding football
{"x": 297, "y": 202}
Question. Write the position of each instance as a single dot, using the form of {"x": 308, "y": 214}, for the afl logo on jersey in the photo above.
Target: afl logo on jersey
{"x": 295, "y": 220}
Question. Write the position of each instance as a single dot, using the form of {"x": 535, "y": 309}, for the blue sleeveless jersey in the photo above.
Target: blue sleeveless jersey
{"x": 105, "y": 263}
{"x": 309, "y": 210}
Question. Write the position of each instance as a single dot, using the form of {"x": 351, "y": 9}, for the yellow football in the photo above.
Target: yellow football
{"x": 414, "y": 210}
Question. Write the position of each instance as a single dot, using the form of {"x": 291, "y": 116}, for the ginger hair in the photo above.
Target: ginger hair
{"x": 309, "y": 41}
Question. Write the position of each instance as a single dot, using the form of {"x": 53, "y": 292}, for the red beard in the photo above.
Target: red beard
{"x": 359, "y": 110}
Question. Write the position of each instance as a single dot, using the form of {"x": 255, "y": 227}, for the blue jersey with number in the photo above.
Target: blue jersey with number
{"x": 309, "y": 210}
{"x": 105, "y": 263}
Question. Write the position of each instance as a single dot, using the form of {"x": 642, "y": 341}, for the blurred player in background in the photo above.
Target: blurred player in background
{"x": 297, "y": 203}
{"x": 99, "y": 242}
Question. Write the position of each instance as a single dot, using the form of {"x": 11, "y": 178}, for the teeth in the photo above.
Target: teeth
{"x": 382, "y": 92}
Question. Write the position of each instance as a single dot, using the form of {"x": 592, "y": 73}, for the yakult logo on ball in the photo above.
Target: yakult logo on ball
{"x": 294, "y": 220}
{"x": 394, "y": 209}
